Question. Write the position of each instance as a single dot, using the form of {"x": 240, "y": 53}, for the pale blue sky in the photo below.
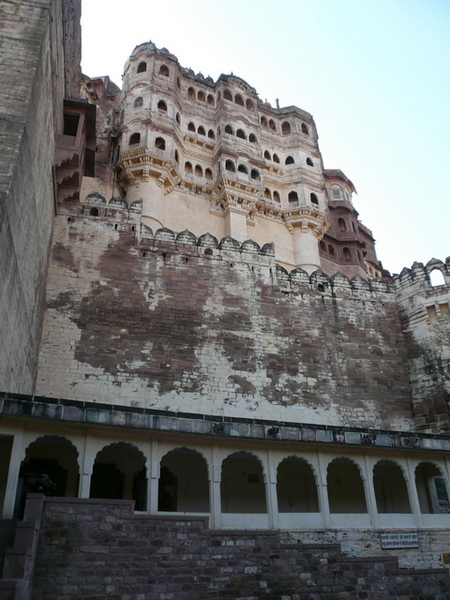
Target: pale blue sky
{"x": 374, "y": 74}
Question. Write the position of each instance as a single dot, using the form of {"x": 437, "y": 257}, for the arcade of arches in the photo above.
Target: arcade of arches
{"x": 270, "y": 488}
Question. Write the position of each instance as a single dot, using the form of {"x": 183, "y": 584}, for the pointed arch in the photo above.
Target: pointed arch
{"x": 345, "y": 487}
{"x": 120, "y": 472}
{"x": 242, "y": 485}
{"x": 50, "y": 466}
{"x": 296, "y": 486}
{"x": 432, "y": 488}
{"x": 183, "y": 481}
{"x": 390, "y": 487}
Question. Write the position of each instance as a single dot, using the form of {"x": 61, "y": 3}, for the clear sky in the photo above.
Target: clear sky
{"x": 375, "y": 74}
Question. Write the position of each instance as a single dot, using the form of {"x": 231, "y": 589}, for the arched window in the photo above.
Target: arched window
{"x": 390, "y": 488}
{"x": 249, "y": 104}
{"x": 229, "y": 165}
{"x": 191, "y": 93}
{"x": 336, "y": 192}
{"x": 210, "y": 100}
{"x": 305, "y": 129}
{"x": 50, "y": 466}
{"x": 135, "y": 138}
{"x": 94, "y": 212}
{"x": 142, "y": 67}
{"x": 201, "y": 96}
{"x": 309, "y": 162}
{"x": 177, "y": 159}
{"x": 201, "y": 130}
{"x": 164, "y": 70}
{"x": 239, "y": 100}
{"x": 345, "y": 487}
{"x": 208, "y": 174}
{"x": 242, "y": 169}
{"x": 267, "y": 194}
{"x": 293, "y": 197}
{"x": 178, "y": 118}
{"x": 347, "y": 254}
{"x": 198, "y": 171}
{"x": 160, "y": 143}
{"x": 227, "y": 95}
{"x": 341, "y": 224}
{"x": 119, "y": 472}
{"x": 437, "y": 277}
{"x": 252, "y": 138}
{"x": 228, "y": 129}
{"x": 276, "y": 158}
{"x": 183, "y": 482}
{"x": 254, "y": 174}
{"x": 211, "y": 134}
{"x": 178, "y": 83}
{"x": 264, "y": 121}
{"x": 289, "y": 160}
{"x": 330, "y": 250}
{"x": 272, "y": 125}
{"x": 162, "y": 105}
{"x": 138, "y": 102}
{"x": 187, "y": 167}
{"x": 240, "y": 134}
{"x": 267, "y": 155}
{"x": 276, "y": 196}
{"x": 242, "y": 486}
{"x": 322, "y": 246}
{"x": 313, "y": 199}
{"x": 191, "y": 126}
{"x": 296, "y": 487}
{"x": 431, "y": 489}
{"x": 286, "y": 128}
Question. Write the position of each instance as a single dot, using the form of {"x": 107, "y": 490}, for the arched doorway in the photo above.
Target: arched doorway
{"x": 345, "y": 487}
{"x": 390, "y": 488}
{"x": 119, "y": 472}
{"x": 183, "y": 482}
{"x": 242, "y": 486}
{"x": 296, "y": 486}
{"x": 50, "y": 466}
{"x": 432, "y": 489}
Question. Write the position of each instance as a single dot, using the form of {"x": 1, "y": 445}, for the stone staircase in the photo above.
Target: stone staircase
{"x": 99, "y": 548}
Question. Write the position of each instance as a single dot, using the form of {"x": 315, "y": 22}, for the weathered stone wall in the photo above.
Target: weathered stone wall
{"x": 188, "y": 326}
{"x": 425, "y": 315}
{"x": 35, "y": 37}
{"x": 93, "y": 549}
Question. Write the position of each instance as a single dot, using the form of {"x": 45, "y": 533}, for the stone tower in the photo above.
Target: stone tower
{"x": 210, "y": 155}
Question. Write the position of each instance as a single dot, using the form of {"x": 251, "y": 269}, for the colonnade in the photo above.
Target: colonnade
{"x": 272, "y": 486}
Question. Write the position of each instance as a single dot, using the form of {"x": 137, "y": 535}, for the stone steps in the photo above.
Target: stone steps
{"x": 7, "y": 532}
{"x": 96, "y": 548}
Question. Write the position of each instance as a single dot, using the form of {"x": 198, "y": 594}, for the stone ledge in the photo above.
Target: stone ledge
{"x": 89, "y": 413}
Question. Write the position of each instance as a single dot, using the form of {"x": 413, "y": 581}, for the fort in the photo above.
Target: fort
{"x": 209, "y": 381}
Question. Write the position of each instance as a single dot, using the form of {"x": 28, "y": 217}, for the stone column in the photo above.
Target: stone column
{"x": 370, "y": 492}
{"x": 236, "y": 224}
{"x": 86, "y": 464}
{"x": 323, "y": 492}
{"x": 307, "y": 226}
{"x": 412, "y": 491}
{"x": 151, "y": 191}
{"x": 153, "y": 480}
{"x": 306, "y": 250}
{"x": 272, "y": 498}
{"x": 17, "y": 455}
{"x": 216, "y": 507}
